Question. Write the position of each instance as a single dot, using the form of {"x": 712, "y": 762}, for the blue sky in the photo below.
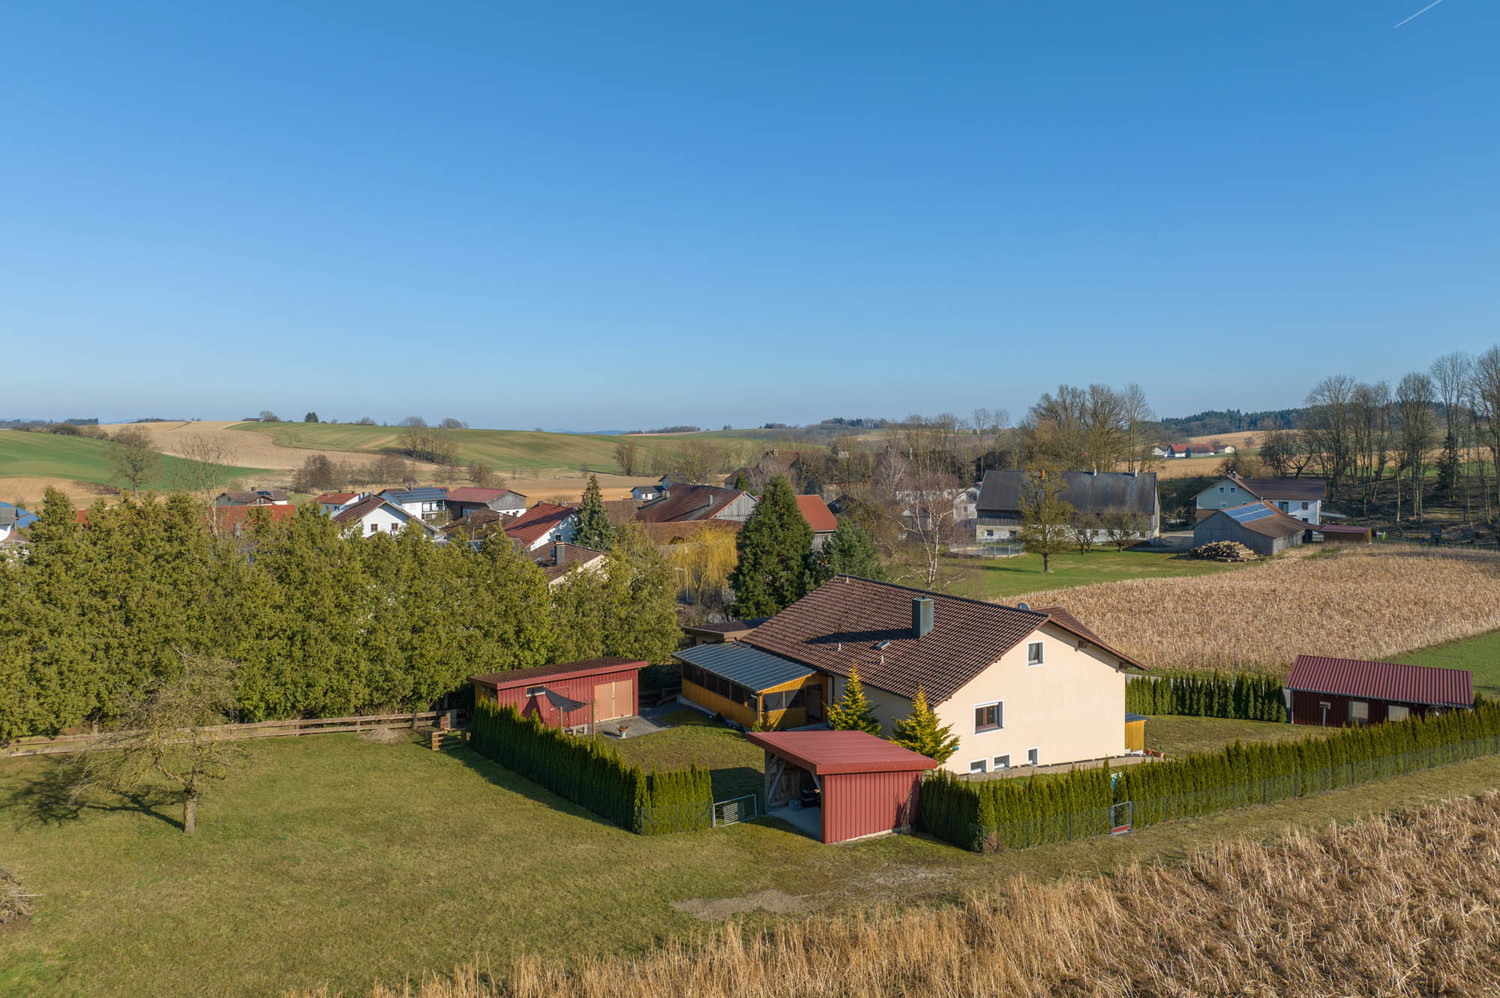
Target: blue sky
{"x": 623, "y": 215}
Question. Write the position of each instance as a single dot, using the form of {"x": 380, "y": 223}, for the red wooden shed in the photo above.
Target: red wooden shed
{"x": 1335, "y": 692}
{"x": 569, "y": 694}
{"x": 868, "y": 785}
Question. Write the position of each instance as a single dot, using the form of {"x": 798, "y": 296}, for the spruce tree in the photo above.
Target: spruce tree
{"x": 853, "y": 712}
{"x": 848, "y": 552}
{"x": 772, "y": 571}
{"x": 594, "y": 529}
{"x": 741, "y": 482}
{"x": 921, "y": 732}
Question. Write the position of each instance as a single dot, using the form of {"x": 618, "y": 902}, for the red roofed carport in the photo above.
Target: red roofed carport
{"x": 869, "y": 786}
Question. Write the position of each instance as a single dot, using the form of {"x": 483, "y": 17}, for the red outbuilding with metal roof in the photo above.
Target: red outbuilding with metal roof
{"x": 1334, "y": 692}
{"x": 569, "y": 694}
{"x": 864, "y": 785}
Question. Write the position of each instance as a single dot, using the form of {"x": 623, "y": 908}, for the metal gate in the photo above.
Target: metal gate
{"x": 1121, "y": 817}
{"x": 737, "y": 809}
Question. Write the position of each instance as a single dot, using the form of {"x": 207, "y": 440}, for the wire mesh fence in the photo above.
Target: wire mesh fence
{"x": 737, "y": 809}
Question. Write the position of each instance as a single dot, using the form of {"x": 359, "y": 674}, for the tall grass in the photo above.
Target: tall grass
{"x": 1366, "y": 602}
{"x": 1400, "y": 905}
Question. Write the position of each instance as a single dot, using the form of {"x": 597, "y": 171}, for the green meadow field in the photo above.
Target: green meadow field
{"x": 80, "y": 459}
{"x": 502, "y": 450}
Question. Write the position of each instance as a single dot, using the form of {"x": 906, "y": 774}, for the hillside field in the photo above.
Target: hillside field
{"x": 77, "y": 459}
{"x": 514, "y": 453}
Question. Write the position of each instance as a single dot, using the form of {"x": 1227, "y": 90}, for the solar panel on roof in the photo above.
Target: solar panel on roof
{"x": 1247, "y": 514}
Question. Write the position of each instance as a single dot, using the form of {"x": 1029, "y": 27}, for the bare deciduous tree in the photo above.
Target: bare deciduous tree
{"x": 174, "y": 732}
{"x": 134, "y": 458}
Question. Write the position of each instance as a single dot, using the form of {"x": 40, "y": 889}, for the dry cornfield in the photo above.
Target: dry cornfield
{"x": 1365, "y": 602}
{"x": 1407, "y": 904}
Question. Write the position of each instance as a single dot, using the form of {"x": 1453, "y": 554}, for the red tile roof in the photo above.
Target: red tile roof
{"x": 1382, "y": 681}
{"x": 536, "y": 522}
{"x": 842, "y": 623}
{"x": 824, "y": 752}
{"x": 364, "y": 507}
{"x": 557, "y": 672}
{"x": 335, "y": 498}
{"x": 817, "y": 514}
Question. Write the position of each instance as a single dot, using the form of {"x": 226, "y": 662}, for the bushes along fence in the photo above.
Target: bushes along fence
{"x": 1017, "y": 813}
{"x": 1253, "y": 697}
{"x": 591, "y": 775}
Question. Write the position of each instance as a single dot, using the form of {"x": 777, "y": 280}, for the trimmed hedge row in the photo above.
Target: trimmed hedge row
{"x": 1015, "y": 813}
{"x": 593, "y": 776}
{"x": 1254, "y": 697}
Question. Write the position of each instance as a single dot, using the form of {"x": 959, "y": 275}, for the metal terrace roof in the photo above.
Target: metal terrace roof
{"x": 738, "y": 662}
{"x": 1382, "y": 681}
{"x": 424, "y": 493}
{"x": 825, "y": 752}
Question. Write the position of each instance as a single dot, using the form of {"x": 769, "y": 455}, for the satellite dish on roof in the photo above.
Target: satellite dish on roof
{"x": 1023, "y": 606}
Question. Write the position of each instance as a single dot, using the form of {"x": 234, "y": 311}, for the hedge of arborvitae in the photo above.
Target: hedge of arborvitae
{"x": 319, "y": 624}
{"x": 589, "y": 774}
{"x": 1255, "y": 697}
{"x": 1014, "y": 813}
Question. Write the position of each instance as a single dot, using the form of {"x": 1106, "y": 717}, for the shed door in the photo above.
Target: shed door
{"x": 611, "y": 700}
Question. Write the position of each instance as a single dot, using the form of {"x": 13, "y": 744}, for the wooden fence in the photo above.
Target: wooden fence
{"x": 63, "y": 744}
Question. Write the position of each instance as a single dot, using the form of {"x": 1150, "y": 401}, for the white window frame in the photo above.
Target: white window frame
{"x": 1041, "y": 657}
{"x": 1000, "y": 715}
{"x": 1002, "y": 765}
{"x": 977, "y": 766}
{"x": 1034, "y": 756}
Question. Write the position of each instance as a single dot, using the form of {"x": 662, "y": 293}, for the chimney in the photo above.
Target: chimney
{"x": 921, "y": 616}
{"x": 557, "y": 553}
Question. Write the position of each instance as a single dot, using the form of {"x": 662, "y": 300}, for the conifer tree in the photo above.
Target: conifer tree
{"x": 772, "y": 571}
{"x": 853, "y": 712}
{"x": 741, "y": 482}
{"x": 848, "y": 552}
{"x": 594, "y": 529}
{"x": 921, "y": 732}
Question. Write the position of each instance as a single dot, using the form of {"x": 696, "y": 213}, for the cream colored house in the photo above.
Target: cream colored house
{"x": 1019, "y": 686}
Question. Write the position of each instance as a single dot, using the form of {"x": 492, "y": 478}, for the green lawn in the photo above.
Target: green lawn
{"x": 502, "y": 450}
{"x": 999, "y": 578}
{"x": 340, "y": 861}
{"x": 1176, "y": 735}
{"x": 80, "y": 459}
{"x": 1479, "y": 654}
{"x": 738, "y": 767}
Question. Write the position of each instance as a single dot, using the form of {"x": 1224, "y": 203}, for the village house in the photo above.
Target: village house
{"x": 1299, "y": 498}
{"x": 374, "y": 515}
{"x": 252, "y": 497}
{"x": 429, "y": 502}
{"x": 1019, "y": 686}
{"x": 560, "y": 560}
{"x": 1094, "y": 493}
{"x": 1338, "y": 692}
{"x": 469, "y": 499}
{"x": 13, "y": 519}
{"x": 545, "y": 523}
{"x": 685, "y": 503}
{"x": 334, "y": 503}
{"x": 818, "y": 516}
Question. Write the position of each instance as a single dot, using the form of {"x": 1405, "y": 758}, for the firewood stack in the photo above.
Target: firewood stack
{"x": 1223, "y": 551}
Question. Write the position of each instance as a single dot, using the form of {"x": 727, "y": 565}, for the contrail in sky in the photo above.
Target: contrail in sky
{"x": 54, "y": 107}
{"x": 1419, "y": 13}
